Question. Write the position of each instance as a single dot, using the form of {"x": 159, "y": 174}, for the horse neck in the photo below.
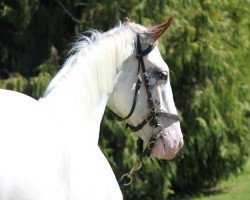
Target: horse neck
{"x": 80, "y": 90}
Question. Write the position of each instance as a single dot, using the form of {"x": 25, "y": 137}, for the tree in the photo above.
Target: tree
{"x": 207, "y": 49}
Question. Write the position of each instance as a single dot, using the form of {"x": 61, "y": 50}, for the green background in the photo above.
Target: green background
{"x": 207, "y": 49}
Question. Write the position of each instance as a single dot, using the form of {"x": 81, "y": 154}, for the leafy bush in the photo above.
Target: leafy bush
{"x": 207, "y": 49}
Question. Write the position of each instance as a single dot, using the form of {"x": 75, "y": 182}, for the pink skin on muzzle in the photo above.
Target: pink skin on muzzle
{"x": 167, "y": 146}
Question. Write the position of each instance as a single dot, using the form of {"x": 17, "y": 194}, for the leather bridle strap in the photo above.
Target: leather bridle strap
{"x": 137, "y": 88}
{"x": 139, "y": 56}
{"x": 151, "y": 118}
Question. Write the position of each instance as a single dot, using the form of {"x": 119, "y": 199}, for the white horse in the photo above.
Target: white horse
{"x": 49, "y": 148}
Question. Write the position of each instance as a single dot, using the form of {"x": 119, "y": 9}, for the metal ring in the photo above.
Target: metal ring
{"x": 149, "y": 118}
{"x": 151, "y": 145}
{"x": 128, "y": 177}
{"x": 153, "y": 109}
{"x": 137, "y": 165}
{"x": 160, "y": 131}
{"x": 157, "y": 134}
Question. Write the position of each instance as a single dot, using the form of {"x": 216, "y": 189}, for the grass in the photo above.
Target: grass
{"x": 236, "y": 188}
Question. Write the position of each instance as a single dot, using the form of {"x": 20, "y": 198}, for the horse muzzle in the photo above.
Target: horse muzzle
{"x": 170, "y": 142}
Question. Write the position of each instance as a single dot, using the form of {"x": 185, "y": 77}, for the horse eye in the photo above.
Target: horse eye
{"x": 163, "y": 75}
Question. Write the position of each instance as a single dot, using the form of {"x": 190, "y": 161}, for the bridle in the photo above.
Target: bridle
{"x": 150, "y": 119}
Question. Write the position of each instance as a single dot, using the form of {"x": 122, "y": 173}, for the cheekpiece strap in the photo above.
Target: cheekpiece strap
{"x": 140, "y": 53}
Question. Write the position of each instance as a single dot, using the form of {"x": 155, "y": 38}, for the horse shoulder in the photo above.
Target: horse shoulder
{"x": 37, "y": 160}
{"x": 28, "y": 156}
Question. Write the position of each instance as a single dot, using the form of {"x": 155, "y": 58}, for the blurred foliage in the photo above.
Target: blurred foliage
{"x": 207, "y": 49}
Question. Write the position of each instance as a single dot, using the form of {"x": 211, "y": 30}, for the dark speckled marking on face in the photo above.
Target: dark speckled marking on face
{"x": 152, "y": 86}
{"x": 157, "y": 102}
{"x": 152, "y": 79}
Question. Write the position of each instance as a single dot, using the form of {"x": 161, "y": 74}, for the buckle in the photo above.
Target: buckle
{"x": 149, "y": 118}
{"x": 137, "y": 56}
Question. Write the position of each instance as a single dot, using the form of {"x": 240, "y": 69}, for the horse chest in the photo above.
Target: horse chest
{"x": 39, "y": 162}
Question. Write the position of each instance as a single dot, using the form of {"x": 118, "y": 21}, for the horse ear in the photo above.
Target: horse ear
{"x": 155, "y": 32}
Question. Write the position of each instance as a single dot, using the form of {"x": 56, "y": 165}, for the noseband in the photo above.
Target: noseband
{"x": 150, "y": 119}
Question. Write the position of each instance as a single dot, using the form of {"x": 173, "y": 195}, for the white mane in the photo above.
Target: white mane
{"x": 92, "y": 65}
{"x": 84, "y": 41}
{"x": 80, "y": 51}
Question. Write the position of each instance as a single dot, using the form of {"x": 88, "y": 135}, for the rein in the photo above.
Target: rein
{"x": 151, "y": 118}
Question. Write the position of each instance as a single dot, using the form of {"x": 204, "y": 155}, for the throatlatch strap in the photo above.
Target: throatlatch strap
{"x": 137, "y": 88}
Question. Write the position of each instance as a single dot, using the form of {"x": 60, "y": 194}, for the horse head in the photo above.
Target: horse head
{"x": 143, "y": 96}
